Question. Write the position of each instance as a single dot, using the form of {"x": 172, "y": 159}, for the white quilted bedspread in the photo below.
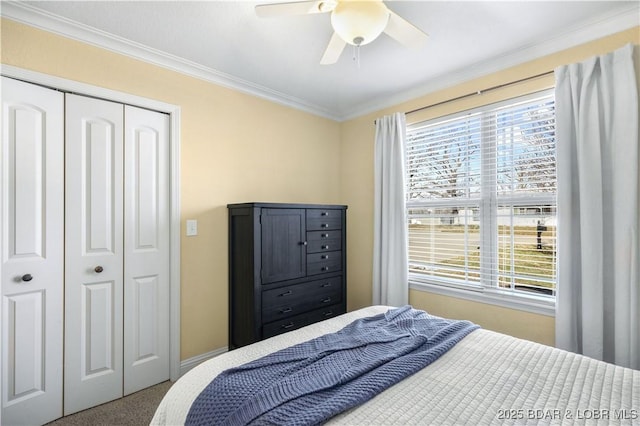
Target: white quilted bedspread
{"x": 487, "y": 378}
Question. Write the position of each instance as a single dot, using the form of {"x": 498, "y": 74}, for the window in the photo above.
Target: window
{"x": 481, "y": 199}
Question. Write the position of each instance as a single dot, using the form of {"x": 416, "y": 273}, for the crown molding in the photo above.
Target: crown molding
{"x": 37, "y": 18}
{"x": 603, "y": 26}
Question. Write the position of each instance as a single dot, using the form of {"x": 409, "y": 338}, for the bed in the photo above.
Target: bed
{"x": 486, "y": 378}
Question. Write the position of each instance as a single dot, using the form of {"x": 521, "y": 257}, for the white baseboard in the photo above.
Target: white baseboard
{"x": 189, "y": 363}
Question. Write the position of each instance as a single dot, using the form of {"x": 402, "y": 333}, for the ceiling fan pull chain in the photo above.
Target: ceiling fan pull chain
{"x": 356, "y": 54}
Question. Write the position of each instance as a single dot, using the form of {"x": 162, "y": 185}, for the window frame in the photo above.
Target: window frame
{"x": 482, "y": 292}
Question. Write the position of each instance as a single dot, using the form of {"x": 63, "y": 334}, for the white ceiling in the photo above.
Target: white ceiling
{"x": 278, "y": 58}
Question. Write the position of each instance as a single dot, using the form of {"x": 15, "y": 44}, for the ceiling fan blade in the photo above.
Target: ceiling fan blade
{"x": 405, "y": 32}
{"x": 293, "y": 8}
{"x": 334, "y": 50}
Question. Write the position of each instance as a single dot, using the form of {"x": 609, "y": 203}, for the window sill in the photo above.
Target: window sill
{"x": 534, "y": 304}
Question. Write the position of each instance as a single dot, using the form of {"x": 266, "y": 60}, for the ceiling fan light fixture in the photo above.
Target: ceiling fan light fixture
{"x": 359, "y": 22}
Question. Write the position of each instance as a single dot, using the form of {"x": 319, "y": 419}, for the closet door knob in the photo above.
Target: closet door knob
{"x": 98, "y": 269}
{"x": 27, "y": 277}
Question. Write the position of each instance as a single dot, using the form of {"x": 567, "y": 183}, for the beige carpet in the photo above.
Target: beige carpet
{"x": 134, "y": 409}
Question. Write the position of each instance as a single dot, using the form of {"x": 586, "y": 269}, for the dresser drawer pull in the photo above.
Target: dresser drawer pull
{"x": 286, "y": 326}
{"x": 303, "y": 243}
{"x": 324, "y": 225}
{"x": 328, "y": 313}
{"x": 327, "y": 300}
{"x": 324, "y": 268}
{"x": 325, "y": 247}
{"x": 326, "y": 285}
{"x": 324, "y": 256}
{"x": 286, "y": 293}
{"x": 285, "y": 310}
{"x": 324, "y": 235}
{"x": 324, "y": 214}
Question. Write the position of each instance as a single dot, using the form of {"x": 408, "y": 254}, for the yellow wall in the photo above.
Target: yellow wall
{"x": 234, "y": 148}
{"x": 237, "y": 148}
{"x": 525, "y": 325}
{"x": 358, "y": 186}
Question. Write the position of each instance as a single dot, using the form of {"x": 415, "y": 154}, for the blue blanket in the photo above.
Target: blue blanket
{"x": 313, "y": 381}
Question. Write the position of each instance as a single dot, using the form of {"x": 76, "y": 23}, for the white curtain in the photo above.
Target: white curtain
{"x": 390, "y": 260}
{"x": 598, "y": 303}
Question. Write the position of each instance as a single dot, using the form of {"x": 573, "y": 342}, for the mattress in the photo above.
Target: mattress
{"x": 487, "y": 378}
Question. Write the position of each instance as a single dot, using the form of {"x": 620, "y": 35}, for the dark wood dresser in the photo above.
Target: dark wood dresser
{"x": 287, "y": 268}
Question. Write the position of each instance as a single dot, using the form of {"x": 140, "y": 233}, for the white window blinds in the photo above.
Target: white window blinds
{"x": 481, "y": 198}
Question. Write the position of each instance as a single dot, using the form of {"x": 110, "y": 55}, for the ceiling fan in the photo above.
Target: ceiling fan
{"x": 356, "y": 22}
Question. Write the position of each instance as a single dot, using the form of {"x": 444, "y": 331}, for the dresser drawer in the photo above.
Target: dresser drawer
{"x": 282, "y": 326}
{"x": 321, "y": 263}
{"x": 318, "y": 241}
{"x": 318, "y": 219}
{"x": 295, "y": 299}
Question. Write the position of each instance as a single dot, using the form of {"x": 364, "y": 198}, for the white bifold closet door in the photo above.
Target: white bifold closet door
{"x": 146, "y": 249}
{"x": 32, "y": 212}
{"x": 116, "y": 251}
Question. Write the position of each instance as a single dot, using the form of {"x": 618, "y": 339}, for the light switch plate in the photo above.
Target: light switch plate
{"x": 192, "y": 227}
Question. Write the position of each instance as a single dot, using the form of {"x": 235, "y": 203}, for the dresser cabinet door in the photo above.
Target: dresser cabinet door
{"x": 283, "y": 244}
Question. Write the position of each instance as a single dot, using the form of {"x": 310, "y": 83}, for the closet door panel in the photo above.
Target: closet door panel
{"x": 146, "y": 271}
{"x": 31, "y": 250}
{"x": 94, "y": 252}
{"x": 97, "y": 334}
{"x": 99, "y": 193}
